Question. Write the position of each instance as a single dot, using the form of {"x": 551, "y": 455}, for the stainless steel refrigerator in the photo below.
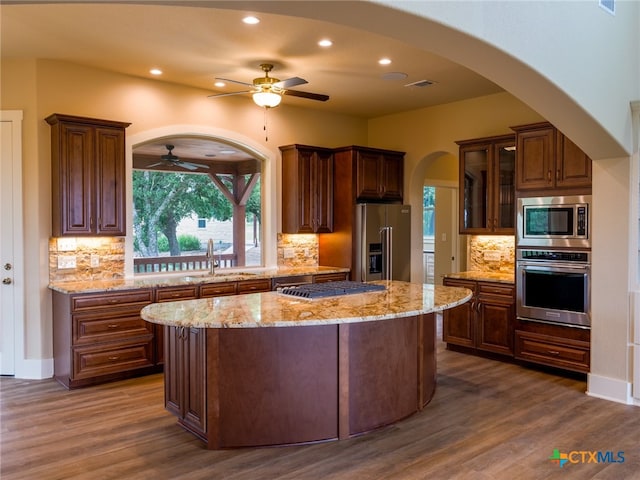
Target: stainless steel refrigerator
{"x": 382, "y": 242}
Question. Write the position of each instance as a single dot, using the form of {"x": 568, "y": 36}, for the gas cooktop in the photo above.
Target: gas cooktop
{"x": 330, "y": 289}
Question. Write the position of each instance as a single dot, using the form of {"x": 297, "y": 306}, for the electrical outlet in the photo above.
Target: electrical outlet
{"x": 492, "y": 256}
{"x": 95, "y": 260}
{"x": 289, "y": 253}
{"x": 66, "y": 261}
{"x": 67, "y": 244}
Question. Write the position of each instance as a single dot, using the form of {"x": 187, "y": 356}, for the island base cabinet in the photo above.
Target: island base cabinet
{"x": 290, "y": 385}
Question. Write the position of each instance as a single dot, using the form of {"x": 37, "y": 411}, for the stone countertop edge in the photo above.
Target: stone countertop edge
{"x": 272, "y": 309}
{"x": 486, "y": 276}
{"x": 186, "y": 278}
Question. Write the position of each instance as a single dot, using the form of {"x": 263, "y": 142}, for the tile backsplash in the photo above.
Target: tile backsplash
{"x": 74, "y": 259}
{"x": 493, "y": 253}
{"x": 299, "y": 250}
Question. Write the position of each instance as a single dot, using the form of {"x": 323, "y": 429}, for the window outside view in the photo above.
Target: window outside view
{"x": 175, "y": 215}
{"x": 428, "y": 232}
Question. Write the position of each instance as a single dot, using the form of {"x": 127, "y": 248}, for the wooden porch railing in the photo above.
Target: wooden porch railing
{"x": 181, "y": 263}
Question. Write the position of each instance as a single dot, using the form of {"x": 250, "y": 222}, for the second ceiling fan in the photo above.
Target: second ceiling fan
{"x": 267, "y": 91}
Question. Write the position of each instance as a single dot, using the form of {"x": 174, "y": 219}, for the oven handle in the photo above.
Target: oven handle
{"x": 552, "y": 267}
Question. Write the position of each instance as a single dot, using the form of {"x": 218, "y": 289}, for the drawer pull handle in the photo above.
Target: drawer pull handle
{"x": 553, "y": 352}
{"x": 114, "y": 357}
{"x": 113, "y": 325}
{"x": 113, "y": 300}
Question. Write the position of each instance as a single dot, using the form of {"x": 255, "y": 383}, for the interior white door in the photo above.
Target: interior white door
{"x": 446, "y": 233}
{"x": 11, "y": 292}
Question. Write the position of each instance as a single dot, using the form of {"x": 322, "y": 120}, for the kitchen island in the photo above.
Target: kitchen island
{"x": 269, "y": 369}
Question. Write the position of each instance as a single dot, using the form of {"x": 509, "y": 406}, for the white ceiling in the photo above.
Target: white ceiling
{"x": 194, "y": 45}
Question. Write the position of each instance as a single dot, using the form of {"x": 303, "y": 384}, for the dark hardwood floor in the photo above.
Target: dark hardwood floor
{"x": 488, "y": 420}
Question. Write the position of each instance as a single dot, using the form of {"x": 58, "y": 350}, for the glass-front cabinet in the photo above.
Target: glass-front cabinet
{"x": 487, "y": 188}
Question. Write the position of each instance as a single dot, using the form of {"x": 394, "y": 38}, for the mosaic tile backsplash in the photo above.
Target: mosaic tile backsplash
{"x": 491, "y": 253}
{"x": 73, "y": 259}
{"x": 299, "y": 250}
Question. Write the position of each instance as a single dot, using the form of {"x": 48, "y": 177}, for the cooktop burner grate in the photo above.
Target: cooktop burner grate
{"x": 330, "y": 289}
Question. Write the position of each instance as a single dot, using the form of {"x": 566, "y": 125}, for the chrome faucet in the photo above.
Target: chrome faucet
{"x": 212, "y": 263}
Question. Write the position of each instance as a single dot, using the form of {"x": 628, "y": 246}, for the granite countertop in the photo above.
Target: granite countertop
{"x": 483, "y": 275}
{"x": 187, "y": 278}
{"x": 272, "y": 309}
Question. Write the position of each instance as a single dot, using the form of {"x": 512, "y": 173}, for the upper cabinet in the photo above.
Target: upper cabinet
{"x": 487, "y": 189}
{"x": 88, "y": 176}
{"x": 547, "y": 160}
{"x": 307, "y": 189}
{"x": 379, "y": 174}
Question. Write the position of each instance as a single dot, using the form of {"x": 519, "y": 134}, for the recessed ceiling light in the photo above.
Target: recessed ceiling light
{"x": 155, "y": 71}
{"x": 227, "y": 152}
{"x": 210, "y": 155}
{"x": 384, "y": 61}
{"x": 394, "y": 76}
{"x": 251, "y": 20}
{"x": 325, "y": 42}
{"x": 219, "y": 84}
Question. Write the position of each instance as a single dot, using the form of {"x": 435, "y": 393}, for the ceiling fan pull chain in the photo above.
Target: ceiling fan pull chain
{"x": 266, "y": 133}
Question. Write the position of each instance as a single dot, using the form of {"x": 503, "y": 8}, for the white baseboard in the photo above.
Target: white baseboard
{"x": 34, "y": 369}
{"x": 611, "y": 389}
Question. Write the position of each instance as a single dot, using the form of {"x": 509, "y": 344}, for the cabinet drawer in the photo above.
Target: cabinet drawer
{"x": 112, "y": 358}
{"x": 454, "y": 282}
{"x": 330, "y": 277}
{"x": 496, "y": 289}
{"x": 129, "y": 297}
{"x": 553, "y": 351}
{"x": 217, "y": 289}
{"x": 169, "y": 294}
{"x": 250, "y": 286}
{"x": 93, "y": 328}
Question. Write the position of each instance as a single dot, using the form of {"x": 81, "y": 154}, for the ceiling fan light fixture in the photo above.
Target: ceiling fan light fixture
{"x": 267, "y": 99}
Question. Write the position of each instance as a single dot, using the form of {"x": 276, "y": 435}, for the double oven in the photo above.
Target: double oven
{"x": 553, "y": 260}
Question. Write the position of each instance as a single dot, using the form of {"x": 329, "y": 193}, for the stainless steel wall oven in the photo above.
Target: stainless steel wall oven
{"x": 554, "y": 286}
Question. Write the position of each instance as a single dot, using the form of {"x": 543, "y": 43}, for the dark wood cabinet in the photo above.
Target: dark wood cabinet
{"x": 170, "y": 294}
{"x": 88, "y": 176}
{"x": 186, "y": 377}
{"x": 487, "y": 185}
{"x": 307, "y": 189}
{"x": 330, "y": 277}
{"x": 101, "y": 337}
{"x": 557, "y": 346}
{"x": 484, "y": 323}
{"x": 378, "y": 174}
{"x": 548, "y": 160}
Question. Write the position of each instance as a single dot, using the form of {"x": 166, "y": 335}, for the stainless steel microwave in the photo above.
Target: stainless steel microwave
{"x": 562, "y": 221}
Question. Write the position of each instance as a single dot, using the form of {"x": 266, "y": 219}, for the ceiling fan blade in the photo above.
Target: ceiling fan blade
{"x": 234, "y": 81}
{"x": 311, "y": 96}
{"x": 155, "y": 165}
{"x": 191, "y": 166}
{"x": 290, "y": 82}
{"x": 229, "y": 94}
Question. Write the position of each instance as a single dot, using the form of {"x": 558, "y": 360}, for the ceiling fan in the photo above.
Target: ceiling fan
{"x": 172, "y": 159}
{"x": 267, "y": 91}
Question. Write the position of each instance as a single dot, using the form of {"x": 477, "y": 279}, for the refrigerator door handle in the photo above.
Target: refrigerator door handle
{"x": 386, "y": 238}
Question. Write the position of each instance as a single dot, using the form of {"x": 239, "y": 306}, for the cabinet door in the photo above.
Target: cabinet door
{"x": 503, "y": 205}
{"x": 573, "y": 166}
{"x": 496, "y": 317}
{"x": 109, "y": 182}
{"x": 368, "y": 178}
{"x": 392, "y": 177}
{"x": 535, "y": 151}
{"x": 458, "y": 322}
{"x": 474, "y": 191}
{"x": 173, "y": 368}
{"x": 195, "y": 401}
{"x": 322, "y": 192}
{"x": 75, "y": 164}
